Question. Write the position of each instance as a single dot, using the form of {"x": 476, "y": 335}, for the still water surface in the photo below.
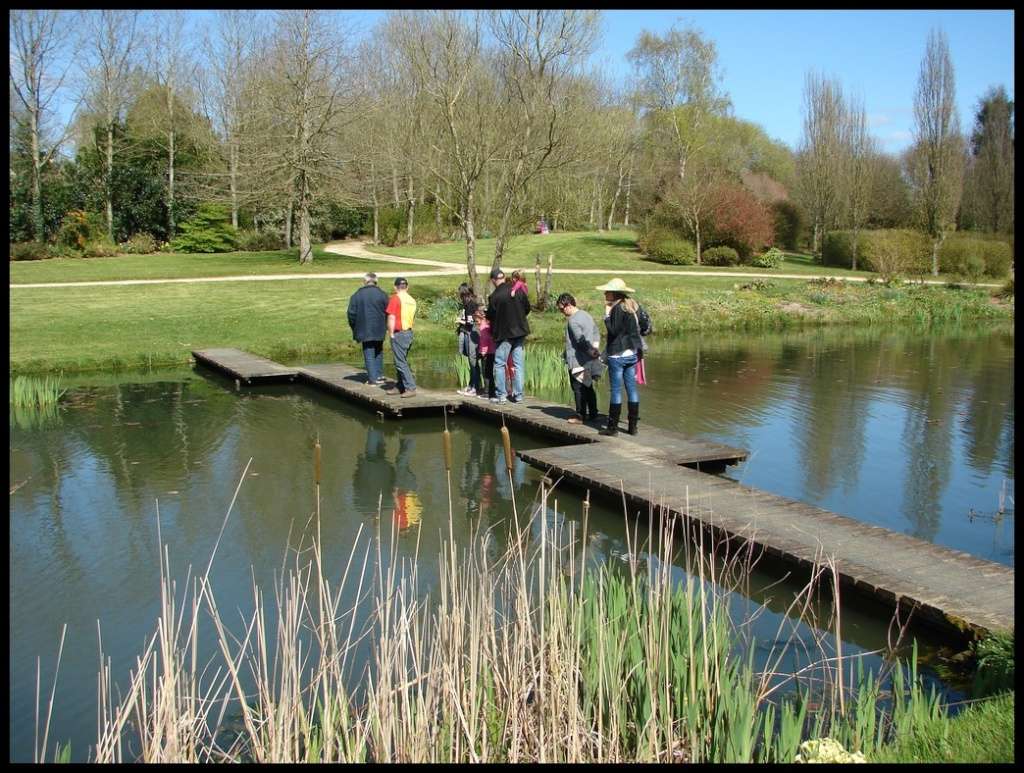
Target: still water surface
{"x": 911, "y": 431}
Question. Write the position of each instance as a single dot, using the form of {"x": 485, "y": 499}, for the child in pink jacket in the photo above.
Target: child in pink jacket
{"x": 485, "y": 350}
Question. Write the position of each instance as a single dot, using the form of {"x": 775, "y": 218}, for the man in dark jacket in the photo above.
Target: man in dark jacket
{"x": 509, "y": 328}
{"x": 368, "y": 320}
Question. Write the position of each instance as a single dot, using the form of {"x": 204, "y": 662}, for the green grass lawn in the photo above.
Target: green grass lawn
{"x": 97, "y": 328}
{"x": 590, "y": 249}
{"x": 175, "y": 266}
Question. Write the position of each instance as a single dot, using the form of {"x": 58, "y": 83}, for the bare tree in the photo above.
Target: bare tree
{"x": 446, "y": 49}
{"x": 110, "y": 40}
{"x": 678, "y": 86}
{"x": 821, "y": 155}
{"x": 41, "y": 52}
{"x": 231, "y": 51}
{"x": 937, "y": 171}
{"x": 172, "y": 68}
{"x": 309, "y": 100}
{"x": 540, "y": 52}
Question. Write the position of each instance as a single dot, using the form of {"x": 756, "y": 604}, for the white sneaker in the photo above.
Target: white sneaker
{"x": 467, "y": 392}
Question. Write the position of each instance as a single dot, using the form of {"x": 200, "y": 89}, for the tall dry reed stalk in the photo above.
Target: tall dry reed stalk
{"x": 531, "y": 654}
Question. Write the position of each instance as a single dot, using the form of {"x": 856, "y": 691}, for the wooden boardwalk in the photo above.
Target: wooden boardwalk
{"x": 949, "y": 589}
{"x": 245, "y": 367}
{"x": 351, "y": 382}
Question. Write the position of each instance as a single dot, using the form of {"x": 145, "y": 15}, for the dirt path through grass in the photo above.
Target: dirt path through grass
{"x": 357, "y": 249}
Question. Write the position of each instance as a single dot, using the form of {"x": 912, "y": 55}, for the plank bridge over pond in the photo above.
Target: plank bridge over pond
{"x": 665, "y": 472}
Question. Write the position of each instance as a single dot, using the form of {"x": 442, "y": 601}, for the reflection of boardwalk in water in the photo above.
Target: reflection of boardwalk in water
{"x": 950, "y": 589}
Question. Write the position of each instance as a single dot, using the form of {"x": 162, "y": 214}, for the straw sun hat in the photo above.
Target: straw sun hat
{"x": 616, "y": 286}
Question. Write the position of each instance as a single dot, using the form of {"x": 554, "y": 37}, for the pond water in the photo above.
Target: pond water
{"x": 912, "y": 431}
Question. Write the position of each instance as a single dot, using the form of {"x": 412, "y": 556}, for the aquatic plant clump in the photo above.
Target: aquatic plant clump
{"x": 530, "y": 654}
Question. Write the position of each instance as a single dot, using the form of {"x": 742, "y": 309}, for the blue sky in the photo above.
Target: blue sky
{"x": 765, "y": 55}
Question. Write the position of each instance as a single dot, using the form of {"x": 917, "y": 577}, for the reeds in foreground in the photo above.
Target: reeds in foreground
{"x": 528, "y": 654}
{"x": 33, "y": 401}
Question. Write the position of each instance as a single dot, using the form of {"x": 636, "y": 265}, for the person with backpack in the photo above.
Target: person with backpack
{"x": 507, "y": 315}
{"x": 623, "y": 350}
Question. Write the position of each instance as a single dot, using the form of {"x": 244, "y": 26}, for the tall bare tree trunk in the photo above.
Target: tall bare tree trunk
{"x": 170, "y": 184}
{"x": 234, "y": 184}
{"x": 470, "y": 227}
{"x": 615, "y": 198}
{"x": 305, "y": 244}
{"x": 394, "y": 185}
{"x": 288, "y": 224}
{"x": 410, "y": 212}
{"x": 437, "y": 210}
{"x": 37, "y": 187}
{"x": 696, "y": 233}
{"x": 629, "y": 189}
{"x": 109, "y": 192}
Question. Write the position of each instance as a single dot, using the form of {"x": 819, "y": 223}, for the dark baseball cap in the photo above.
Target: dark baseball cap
{"x": 400, "y": 280}
{"x": 496, "y": 272}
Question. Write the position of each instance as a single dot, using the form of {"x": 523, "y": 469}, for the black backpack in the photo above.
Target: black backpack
{"x": 643, "y": 320}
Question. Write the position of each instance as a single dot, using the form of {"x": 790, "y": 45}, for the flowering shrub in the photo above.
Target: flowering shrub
{"x": 139, "y": 244}
{"x": 78, "y": 228}
{"x": 739, "y": 220}
{"x": 826, "y": 750}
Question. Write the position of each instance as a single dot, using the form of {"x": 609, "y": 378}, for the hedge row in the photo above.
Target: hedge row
{"x": 902, "y": 251}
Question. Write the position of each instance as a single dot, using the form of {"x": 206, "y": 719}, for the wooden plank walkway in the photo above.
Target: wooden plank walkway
{"x": 550, "y": 419}
{"x": 949, "y": 588}
{"x": 243, "y": 366}
{"x": 351, "y": 382}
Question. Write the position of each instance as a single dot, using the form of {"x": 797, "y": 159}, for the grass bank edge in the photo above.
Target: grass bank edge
{"x": 90, "y": 329}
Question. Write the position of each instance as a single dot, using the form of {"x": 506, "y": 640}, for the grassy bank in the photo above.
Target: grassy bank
{"x": 522, "y": 656}
{"x": 177, "y": 266}
{"x": 119, "y": 327}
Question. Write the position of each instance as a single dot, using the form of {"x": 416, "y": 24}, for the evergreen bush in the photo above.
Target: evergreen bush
{"x": 720, "y": 256}
{"x": 667, "y": 247}
{"x": 771, "y": 258}
{"x": 958, "y": 249}
{"x": 209, "y": 230}
{"x": 787, "y": 222}
{"x": 259, "y": 241}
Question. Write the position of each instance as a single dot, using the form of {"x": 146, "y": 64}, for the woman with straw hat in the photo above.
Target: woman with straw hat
{"x": 623, "y": 350}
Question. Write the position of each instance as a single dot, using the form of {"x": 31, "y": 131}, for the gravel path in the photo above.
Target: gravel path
{"x": 357, "y": 249}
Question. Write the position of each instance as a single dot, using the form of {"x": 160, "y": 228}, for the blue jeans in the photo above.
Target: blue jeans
{"x": 622, "y": 369}
{"x": 501, "y": 355}
{"x": 400, "y": 346}
{"x": 373, "y": 358}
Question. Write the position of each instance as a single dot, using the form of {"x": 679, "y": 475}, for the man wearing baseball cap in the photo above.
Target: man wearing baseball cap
{"x": 401, "y": 313}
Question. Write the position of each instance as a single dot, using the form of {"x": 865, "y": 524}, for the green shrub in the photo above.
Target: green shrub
{"x": 837, "y": 249}
{"x": 1007, "y": 289}
{"x": 78, "y": 228}
{"x": 260, "y": 241}
{"x": 720, "y": 256}
{"x": 209, "y": 230}
{"x": 957, "y": 249}
{"x": 667, "y": 247}
{"x": 894, "y": 252}
{"x": 141, "y": 243}
{"x": 995, "y": 657}
{"x": 771, "y": 258}
{"x": 30, "y": 251}
{"x": 102, "y": 247}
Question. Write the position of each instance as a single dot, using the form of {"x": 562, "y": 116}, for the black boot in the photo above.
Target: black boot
{"x": 592, "y": 406}
{"x": 633, "y": 416}
{"x": 614, "y": 412}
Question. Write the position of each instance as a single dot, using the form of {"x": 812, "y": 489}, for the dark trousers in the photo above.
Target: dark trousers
{"x": 586, "y": 398}
{"x": 401, "y": 343}
{"x": 373, "y": 358}
{"x": 488, "y": 372}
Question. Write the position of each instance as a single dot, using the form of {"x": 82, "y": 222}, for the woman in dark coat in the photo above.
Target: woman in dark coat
{"x": 623, "y": 350}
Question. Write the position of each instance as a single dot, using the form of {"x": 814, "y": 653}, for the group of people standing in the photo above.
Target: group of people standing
{"x": 493, "y": 338}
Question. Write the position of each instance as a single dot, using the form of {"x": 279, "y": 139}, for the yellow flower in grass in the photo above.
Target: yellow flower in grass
{"x": 826, "y": 750}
